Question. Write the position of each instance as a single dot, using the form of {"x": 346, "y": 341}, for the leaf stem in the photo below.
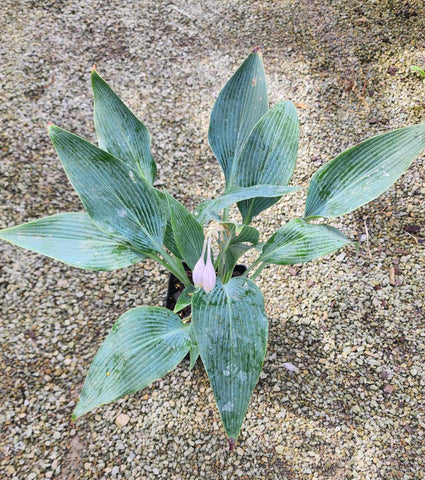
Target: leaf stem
{"x": 250, "y": 268}
{"x": 178, "y": 264}
{"x": 227, "y": 276}
{"x": 258, "y": 271}
{"x": 226, "y": 214}
{"x": 172, "y": 265}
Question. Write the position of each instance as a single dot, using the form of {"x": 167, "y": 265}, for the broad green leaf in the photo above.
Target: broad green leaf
{"x": 299, "y": 241}
{"x": 144, "y": 344}
{"x": 363, "y": 172}
{"x": 246, "y": 239}
{"x": 209, "y": 210}
{"x": 241, "y": 103}
{"x": 117, "y": 198}
{"x": 238, "y": 232}
{"x": 169, "y": 240}
{"x": 246, "y": 234}
{"x": 238, "y": 249}
{"x": 119, "y": 131}
{"x": 231, "y": 256}
{"x": 185, "y": 299}
{"x": 268, "y": 156}
{"x": 187, "y": 231}
{"x": 235, "y": 247}
{"x": 230, "y": 326}
{"x": 73, "y": 238}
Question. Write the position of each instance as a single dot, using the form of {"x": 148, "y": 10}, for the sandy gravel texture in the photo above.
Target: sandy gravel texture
{"x": 355, "y": 408}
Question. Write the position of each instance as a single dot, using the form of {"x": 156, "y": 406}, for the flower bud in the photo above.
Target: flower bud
{"x": 209, "y": 277}
{"x": 198, "y": 271}
{"x": 203, "y": 274}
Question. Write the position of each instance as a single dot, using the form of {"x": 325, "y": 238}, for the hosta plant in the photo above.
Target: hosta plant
{"x": 127, "y": 220}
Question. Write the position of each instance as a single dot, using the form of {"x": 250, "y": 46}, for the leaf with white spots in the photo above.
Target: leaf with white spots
{"x": 363, "y": 172}
{"x": 299, "y": 241}
{"x": 116, "y": 197}
{"x": 144, "y": 345}
{"x": 210, "y": 209}
{"x": 241, "y": 103}
{"x": 267, "y": 157}
{"x": 230, "y": 326}
{"x": 74, "y": 239}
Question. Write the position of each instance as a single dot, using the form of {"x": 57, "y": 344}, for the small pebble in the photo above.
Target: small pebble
{"x": 122, "y": 420}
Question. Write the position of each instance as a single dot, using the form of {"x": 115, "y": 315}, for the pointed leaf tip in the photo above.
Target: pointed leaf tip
{"x": 119, "y": 131}
{"x": 231, "y": 442}
{"x": 129, "y": 207}
{"x": 241, "y": 103}
{"x": 72, "y": 238}
{"x": 299, "y": 241}
{"x": 363, "y": 172}
{"x": 258, "y": 50}
{"x": 227, "y": 323}
{"x": 143, "y": 346}
{"x": 94, "y": 68}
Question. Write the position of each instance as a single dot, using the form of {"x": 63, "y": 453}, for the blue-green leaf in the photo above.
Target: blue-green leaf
{"x": 231, "y": 256}
{"x": 363, "y": 172}
{"x": 268, "y": 156}
{"x": 241, "y": 238}
{"x": 119, "y": 131}
{"x": 187, "y": 232}
{"x": 72, "y": 238}
{"x": 169, "y": 240}
{"x": 238, "y": 233}
{"x": 209, "y": 209}
{"x": 245, "y": 233}
{"x": 230, "y": 326}
{"x": 241, "y": 103}
{"x": 144, "y": 344}
{"x": 117, "y": 198}
{"x": 299, "y": 241}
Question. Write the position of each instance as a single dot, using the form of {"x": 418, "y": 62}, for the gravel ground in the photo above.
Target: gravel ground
{"x": 355, "y": 408}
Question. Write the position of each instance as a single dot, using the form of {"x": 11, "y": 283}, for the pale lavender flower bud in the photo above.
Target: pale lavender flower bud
{"x": 209, "y": 277}
{"x": 198, "y": 271}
